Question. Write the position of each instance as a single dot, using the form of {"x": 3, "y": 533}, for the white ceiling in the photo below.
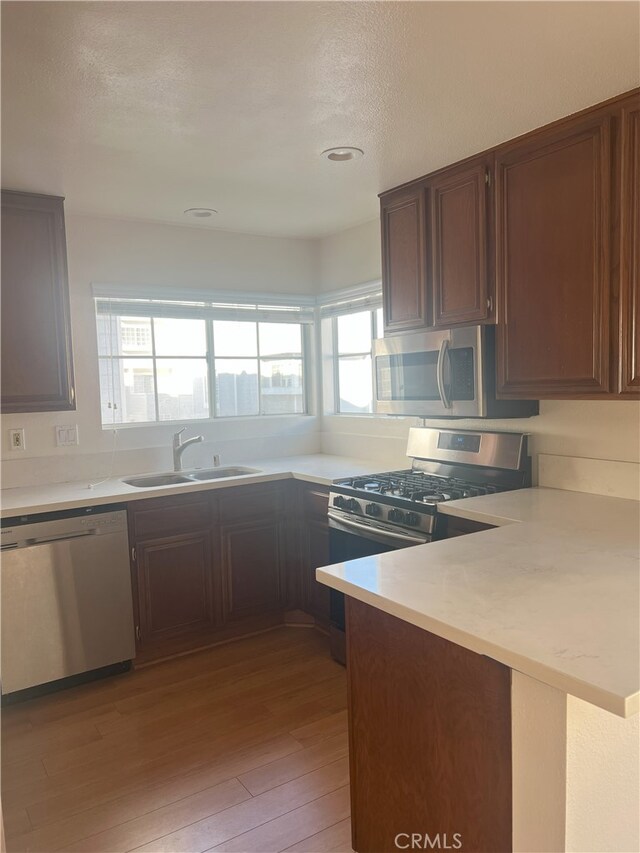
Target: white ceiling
{"x": 143, "y": 109}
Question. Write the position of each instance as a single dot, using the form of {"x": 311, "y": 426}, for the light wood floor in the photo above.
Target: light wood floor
{"x": 240, "y": 748}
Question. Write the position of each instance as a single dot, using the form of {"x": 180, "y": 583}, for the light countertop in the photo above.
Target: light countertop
{"x": 553, "y": 592}
{"x": 315, "y": 468}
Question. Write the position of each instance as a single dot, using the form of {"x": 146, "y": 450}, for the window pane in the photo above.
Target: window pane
{"x": 281, "y": 387}
{"x": 133, "y": 389}
{"x": 179, "y": 337}
{"x": 111, "y": 414}
{"x": 279, "y": 338}
{"x": 232, "y": 338}
{"x": 124, "y": 335}
{"x": 182, "y": 388}
{"x": 355, "y": 382}
{"x": 354, "y": 332}
{"x": 236, "y": 386}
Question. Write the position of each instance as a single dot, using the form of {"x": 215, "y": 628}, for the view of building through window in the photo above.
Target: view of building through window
{"x": 158, "y": 369}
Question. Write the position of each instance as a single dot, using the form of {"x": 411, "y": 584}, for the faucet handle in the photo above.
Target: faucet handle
{"x": 180, "y": 431}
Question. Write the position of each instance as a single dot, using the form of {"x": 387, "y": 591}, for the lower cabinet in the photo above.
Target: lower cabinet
{"x": 314, "y": 552}
{"x": 175, "y": 583}
{"x": 211, "y": 565}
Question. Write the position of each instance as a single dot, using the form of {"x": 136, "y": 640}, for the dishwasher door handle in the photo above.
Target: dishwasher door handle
{"x": 45, "y": 540}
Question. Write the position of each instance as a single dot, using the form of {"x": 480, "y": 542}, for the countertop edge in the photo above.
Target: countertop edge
{"x": 620, "y": 706}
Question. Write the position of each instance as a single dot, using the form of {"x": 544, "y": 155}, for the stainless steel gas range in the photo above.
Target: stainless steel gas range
{"x": 396, "y": 509}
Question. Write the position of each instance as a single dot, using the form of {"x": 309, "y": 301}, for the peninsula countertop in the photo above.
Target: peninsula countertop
{"x": 552, "y": 592}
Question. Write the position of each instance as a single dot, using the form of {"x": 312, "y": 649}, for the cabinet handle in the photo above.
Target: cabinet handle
{"x": 489, "y": 303}
{"x": 133, "y": 555}
{"x": 138, "y": 633}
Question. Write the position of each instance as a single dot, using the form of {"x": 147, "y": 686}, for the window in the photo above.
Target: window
{"x": 204, "y": 361}
{"x": 351, "y": 322}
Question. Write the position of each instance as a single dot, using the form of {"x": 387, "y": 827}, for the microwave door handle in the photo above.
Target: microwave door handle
{"x": 442, "y": 355}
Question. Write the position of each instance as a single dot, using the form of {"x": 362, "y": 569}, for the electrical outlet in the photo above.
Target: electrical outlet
{"x": 16, "y": 439}
{"x": 67, "y": 436}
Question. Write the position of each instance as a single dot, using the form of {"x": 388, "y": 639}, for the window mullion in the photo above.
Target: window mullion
{"x": 260, "y": 407}
{"x": 211, "y": 373}
{"x": 155, "y": 370}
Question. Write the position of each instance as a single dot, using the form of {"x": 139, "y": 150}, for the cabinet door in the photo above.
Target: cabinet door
{"x": 459, "y": 245}
{"x": 404, "y": 273}
{"x": 252, "y": 564}
{"x": 37, "y": 365}
{"x": 552, "y": 243}
{"x": 174, "y": 586}
{"x": 315, "y": 553}
{"x": 630, "y": 260}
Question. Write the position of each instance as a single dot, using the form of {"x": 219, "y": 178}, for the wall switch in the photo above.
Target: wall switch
{"x": 16, "y": 439}
{"x": 67, "y": 436}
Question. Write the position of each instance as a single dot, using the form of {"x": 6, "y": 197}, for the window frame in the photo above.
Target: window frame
{"x": 337, "y": 356}
{"x": 305, "y": 357}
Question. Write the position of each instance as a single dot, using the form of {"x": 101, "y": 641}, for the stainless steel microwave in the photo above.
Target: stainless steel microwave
{"x": 449, "y": 373}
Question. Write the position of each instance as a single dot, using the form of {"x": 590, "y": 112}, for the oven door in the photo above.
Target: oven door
{"x": 349, "y": 539}
{"x": 430, "y": 374}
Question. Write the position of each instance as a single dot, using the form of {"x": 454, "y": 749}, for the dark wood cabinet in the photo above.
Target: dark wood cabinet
{"x": 429, "y": 738}
{"x": 553, "y": 231}
{"x": 174, "y": 576}
{"x": 314, "y": 552}
{"x": 404, "y": 260}
{"x": 458, "y": 248}
{"x": 456, "y": 526}
{"x": 37, "y": 362}
{"x": 253, "y": 567}
{"x": 630, "y": 249}
{"x": 177, "y": 597}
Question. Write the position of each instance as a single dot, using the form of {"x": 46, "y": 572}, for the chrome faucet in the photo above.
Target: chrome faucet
{"x": 179, "y": 447}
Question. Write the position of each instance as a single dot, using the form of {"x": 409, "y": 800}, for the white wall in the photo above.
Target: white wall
{"x": 349, "y": 257}
{"x": 132, "y": 252}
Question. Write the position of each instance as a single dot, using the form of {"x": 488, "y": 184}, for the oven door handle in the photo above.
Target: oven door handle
{"x": 442, "y": 355}
{"x": 376, "y": 533}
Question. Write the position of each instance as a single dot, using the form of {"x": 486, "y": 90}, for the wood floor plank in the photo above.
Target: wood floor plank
{"x": 317, "y": 730}
{"x": 285, "y": 769}
{"x": 291, "y": 827}
{"x": 246, "y": 816}
{"x": 139, "y": 830}
{"x": 169, "y": 757}
{"x": 334, "y": 839}
{"x": 106, "y": 808}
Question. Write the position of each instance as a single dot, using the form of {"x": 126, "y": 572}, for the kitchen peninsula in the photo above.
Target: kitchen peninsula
{"x": 514, "y": 653}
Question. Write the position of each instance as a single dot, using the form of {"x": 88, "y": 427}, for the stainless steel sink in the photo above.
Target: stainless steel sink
{"x": 175, "y": 479}
{"x": 150, "y": 480}
{"x": 221, "y": 473}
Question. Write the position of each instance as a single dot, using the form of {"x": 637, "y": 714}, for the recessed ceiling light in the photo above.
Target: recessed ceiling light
{"x": 200, "y": 212}
{"x": 340, "y": 155}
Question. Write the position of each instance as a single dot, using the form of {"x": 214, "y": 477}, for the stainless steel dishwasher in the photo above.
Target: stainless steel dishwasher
{"x": 66, "y": 595}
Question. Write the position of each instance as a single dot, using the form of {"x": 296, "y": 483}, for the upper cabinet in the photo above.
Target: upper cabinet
{"x": 459, "y": 245}
{"x": 37, "y": 365}
{"x": 553, "y": 205}
{"x": 435, "y": 250}
{"x": 630, "y": 250}
{"x": 540, "y": 235}
{"x": 404, "y": 260}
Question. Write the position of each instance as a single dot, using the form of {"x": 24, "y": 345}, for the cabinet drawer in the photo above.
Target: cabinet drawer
{"x": 315, "y": 502}
{"x": 246, "y": 502}
{"x": 159, "y": 517}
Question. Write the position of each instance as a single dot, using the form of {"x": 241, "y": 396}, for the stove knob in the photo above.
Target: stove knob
{"x": 372, "y": 509}
{"x": 396, "y": 515}
{"x": 412, "y": 518}
{"x": 352, "y": 504}
{"x": 339, "y": 501}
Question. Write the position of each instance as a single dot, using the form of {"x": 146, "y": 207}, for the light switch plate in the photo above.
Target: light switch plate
{"x": 67, "y": 435}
